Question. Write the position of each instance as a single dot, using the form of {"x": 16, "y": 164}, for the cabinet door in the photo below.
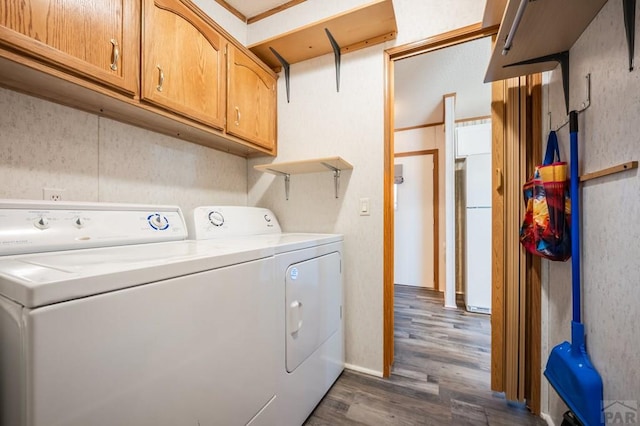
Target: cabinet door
{"x": 182, "y": 62}
{"x": 251, "y": 100}
{"x": 98, "y": 40}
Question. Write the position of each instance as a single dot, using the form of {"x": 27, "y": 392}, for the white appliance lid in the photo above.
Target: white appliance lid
{"x": 34, "y": 280}
{"x": 286, "y": 242}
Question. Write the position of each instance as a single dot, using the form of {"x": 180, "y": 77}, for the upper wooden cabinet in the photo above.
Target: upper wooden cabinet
{"x": 183, "y": 63}
{"x": 98, "y": 40}
{"x": 251, "y": 100}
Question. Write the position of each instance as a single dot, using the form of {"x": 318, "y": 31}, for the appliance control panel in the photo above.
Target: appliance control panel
{"x": 209, "y": 222}
{"x": 40, "y": 226}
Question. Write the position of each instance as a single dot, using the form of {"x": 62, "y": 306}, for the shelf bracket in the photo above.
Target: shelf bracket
{"x": 286, "y": 67}
{"x": 563, "y": 59}
{"x": 336, "y": 54}
{"x": 629, "y": 9}
{"x": 336, "y": 177}
{"x": 287, "y": 181}
{"x": 287, "y": 185}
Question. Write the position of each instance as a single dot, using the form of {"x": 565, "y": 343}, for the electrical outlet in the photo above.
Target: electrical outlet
{"x": 52, "y": 194}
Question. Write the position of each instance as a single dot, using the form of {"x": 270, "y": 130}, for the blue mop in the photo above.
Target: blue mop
{"x": 569, "y": 369}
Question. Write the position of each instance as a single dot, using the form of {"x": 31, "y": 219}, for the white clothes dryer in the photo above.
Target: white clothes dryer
{"x": 109, "y": 316}
{"x": 309, "y": 286}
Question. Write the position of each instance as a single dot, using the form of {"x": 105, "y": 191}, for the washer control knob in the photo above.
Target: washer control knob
{"x": 216, "y": 218}
{"x": 78, "y": 222}
{"x": 158, "y": 221}
{"x": 267, "y": 218}
{"x": 41, "y": 223}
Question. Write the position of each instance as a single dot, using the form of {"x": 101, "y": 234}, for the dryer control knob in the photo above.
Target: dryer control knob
{"x": 78, "y": 222}
{"x": 216, "y": 218}
{"x": 41, "y": 223}
{"x": 267, "y": 218}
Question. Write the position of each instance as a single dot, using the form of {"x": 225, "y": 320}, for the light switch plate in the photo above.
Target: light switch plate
{"x": 364, "y": 207}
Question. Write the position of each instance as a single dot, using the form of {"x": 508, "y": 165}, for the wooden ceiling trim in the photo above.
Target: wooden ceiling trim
{"x": 232, "y": 9}
{"x": 273, "y": 11}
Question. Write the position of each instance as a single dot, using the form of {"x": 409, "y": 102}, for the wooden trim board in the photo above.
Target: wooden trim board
{"x": 273, "y": 11}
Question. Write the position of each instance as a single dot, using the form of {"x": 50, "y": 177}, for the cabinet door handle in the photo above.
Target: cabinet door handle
{"x": 160, "y": 78}
{"x": 238, "y": 116}
{"x": 115, "y": 55}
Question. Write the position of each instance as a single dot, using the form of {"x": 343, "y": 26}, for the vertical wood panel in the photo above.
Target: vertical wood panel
{"x": 497, "y": 244}
{"x": 534, "y": 296}
{"x": 388, "y": 226}
{"x": 519, "y": 214}
{"x": 512, "y": 278}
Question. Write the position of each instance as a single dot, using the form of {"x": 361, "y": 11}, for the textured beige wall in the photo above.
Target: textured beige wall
{"x": 608, "y": 135}
{"x": 320, "y": 122}
{"x": 97, "y": 159}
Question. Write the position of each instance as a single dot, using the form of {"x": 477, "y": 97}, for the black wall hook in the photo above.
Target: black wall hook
{"x": 629, "y": 9}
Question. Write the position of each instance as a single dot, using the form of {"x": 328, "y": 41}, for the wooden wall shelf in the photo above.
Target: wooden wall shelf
{"x": 316, "y": 165}
{"x": 547, "y": 27}
{"x": 355, "y": 29}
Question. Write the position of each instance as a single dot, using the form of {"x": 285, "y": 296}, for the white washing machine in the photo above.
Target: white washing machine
{"x": 109, "y": 316}
{"x": 309, "y": 286}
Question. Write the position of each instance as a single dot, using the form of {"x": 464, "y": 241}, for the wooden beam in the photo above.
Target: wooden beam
{"x": 273, "y": 11}
{"x": 232, "y": 10}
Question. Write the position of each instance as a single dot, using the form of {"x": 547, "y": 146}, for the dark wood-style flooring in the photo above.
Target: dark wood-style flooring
{"x": 441, "y": 374}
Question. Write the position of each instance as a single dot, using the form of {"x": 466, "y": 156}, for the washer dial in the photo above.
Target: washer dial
{"x": 158, "y": 222}
{"x": 216, "y": 218}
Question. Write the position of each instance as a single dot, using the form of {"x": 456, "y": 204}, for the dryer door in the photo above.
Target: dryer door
{"x": 313, "y": 304}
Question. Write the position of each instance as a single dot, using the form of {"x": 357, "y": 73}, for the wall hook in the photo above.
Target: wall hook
{"x": 286, "y": 67}
{"x": 629, "y": 9}
{"x": 336, "y": 54}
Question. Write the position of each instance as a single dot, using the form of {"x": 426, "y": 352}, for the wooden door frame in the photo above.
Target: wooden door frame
{"x": 436, "y": 209}
{"x": 532, "y": 275}
{"x": 451, "y": 38}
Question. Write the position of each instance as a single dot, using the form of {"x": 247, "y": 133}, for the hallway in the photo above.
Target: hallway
{"x": 440, "y": 376}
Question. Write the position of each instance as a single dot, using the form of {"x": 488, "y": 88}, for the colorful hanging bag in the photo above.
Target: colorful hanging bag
{"x": 545, "y": 230}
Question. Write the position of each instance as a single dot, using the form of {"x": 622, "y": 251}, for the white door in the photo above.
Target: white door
{"x": 313, "y": 304}
{"x": 414, "y": 223}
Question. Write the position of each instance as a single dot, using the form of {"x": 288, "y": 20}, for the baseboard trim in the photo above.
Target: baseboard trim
{"x": 363, "y": 370}
{"x": 547, "y": 418}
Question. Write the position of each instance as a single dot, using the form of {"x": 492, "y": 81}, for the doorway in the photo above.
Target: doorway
{"x": 510, "y": 127}
{"x": 416, "y": 199}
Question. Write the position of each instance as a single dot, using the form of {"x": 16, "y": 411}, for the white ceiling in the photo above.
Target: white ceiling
{"x": 251, "y": 8}
{"x": 421, "y": 81}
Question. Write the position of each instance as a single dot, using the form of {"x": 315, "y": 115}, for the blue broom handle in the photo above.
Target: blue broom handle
{"x": 575, "y": 216}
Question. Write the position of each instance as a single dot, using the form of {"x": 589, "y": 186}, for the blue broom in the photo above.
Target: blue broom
{"x": 569, "y": 369}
